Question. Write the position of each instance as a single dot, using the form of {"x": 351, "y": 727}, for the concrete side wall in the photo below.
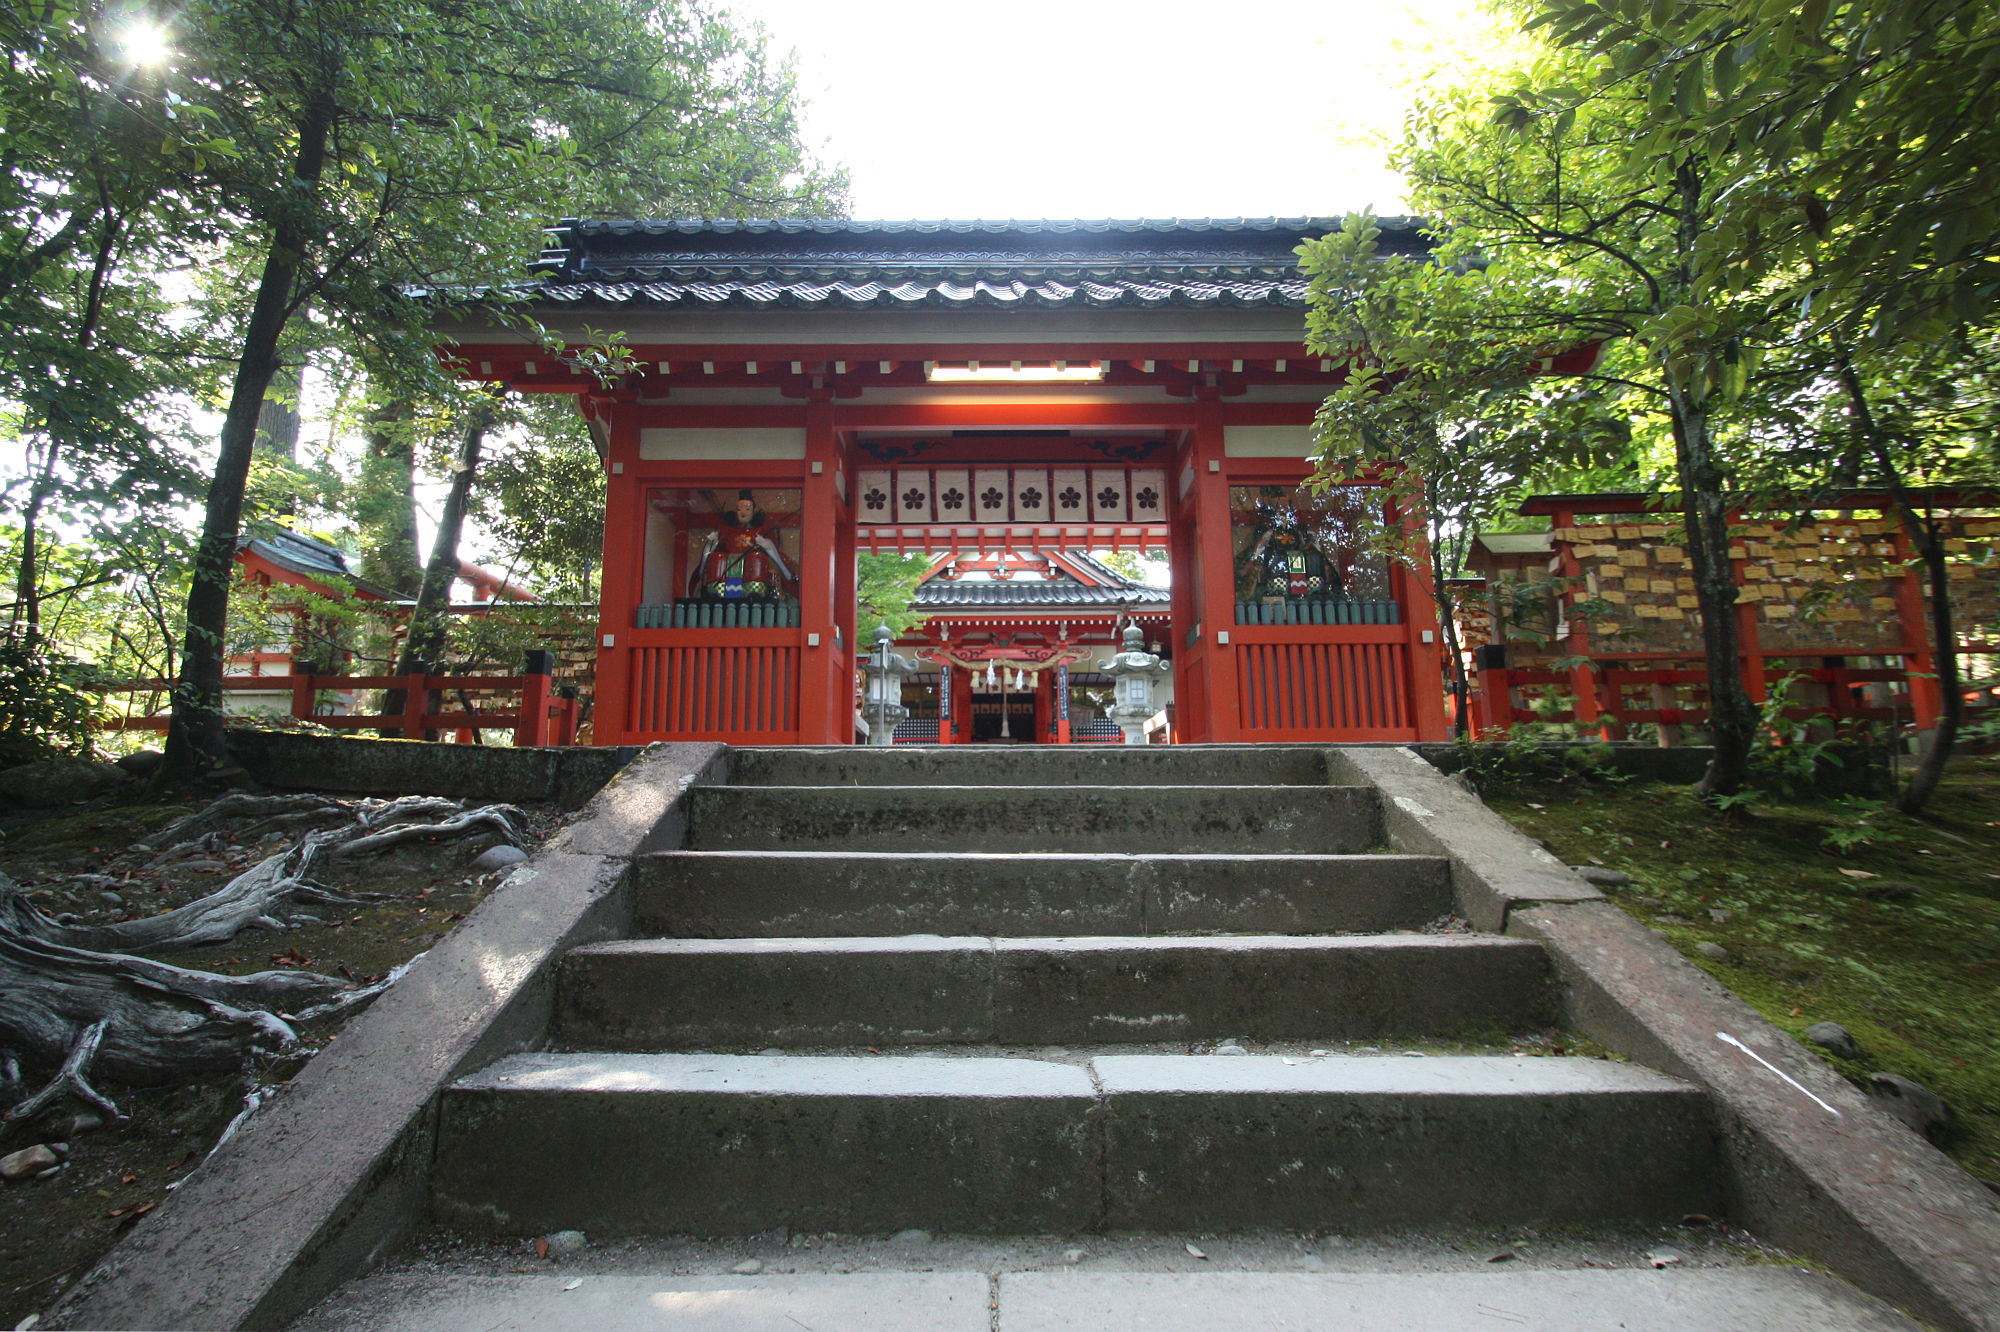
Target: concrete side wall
{"x": 1812, "y": 1165}
{"x": 567, "y": 776}
{"x": 332, "y": 1175}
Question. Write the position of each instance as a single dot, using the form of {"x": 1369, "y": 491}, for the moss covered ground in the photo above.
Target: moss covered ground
{"x": 1829, "y": 909}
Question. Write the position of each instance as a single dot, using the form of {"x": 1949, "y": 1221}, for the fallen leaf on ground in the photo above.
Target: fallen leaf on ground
{"x": 1194, "y": 1252}
{"x": 1855, "y": 873}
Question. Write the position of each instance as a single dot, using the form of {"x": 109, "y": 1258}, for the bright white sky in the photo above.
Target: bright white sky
{"x": 1107, "y": 108}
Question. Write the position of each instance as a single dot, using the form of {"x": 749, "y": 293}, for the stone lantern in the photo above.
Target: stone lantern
{"x": 882, "y": 697}
{"x": 1134, "y": 672}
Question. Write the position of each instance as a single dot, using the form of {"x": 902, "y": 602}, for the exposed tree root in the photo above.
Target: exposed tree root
{"x": 263, "y": 894}
{"x": 69, "y": 1078}
{"x": 83, "y": 1000}
{"x": 236, "y": 806}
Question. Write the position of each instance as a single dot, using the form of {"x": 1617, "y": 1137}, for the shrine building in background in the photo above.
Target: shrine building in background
{"x": 996, "y": 397}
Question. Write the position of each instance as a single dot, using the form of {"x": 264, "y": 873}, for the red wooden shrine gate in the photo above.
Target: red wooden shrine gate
{"x": 803, "y": 391}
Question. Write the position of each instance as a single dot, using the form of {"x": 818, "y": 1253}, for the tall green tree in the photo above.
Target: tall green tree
{"x": 387, "y": 157}
{"x": 1552, "y": 237}
{"x": 1853, "y": 142}
{"x": 89, "y": 353}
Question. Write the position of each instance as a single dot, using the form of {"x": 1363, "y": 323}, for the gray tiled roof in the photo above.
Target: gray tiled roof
{"x": 842, "y": 264}
{"x": 300, "y": 554}
{"x": 309, "y": 556}
{"x": 1027, "y": 595}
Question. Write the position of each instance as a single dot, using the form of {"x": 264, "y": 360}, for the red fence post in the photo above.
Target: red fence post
{"x": 566, "y": 716}
{"x": 531, "y": 725}
{"x": 416, "y": 701}
{"x": 303, "y": 692}
{"x": 1492, "y": 706}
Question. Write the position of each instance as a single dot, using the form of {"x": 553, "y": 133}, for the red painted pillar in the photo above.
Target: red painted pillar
{"x": 1216, "y": 569}
{"x": 621, "y": 583}
{"x": 963, "y": 704}
{"x": 303, "y": 691}
{"x": 1183, "y": 553}
{"x": 531, "y": 726}
{"x": 825, "y": 689}
{"x": 1424, "y": 645}
{"x": 1492, "y": 709}
{"x": 850, "y": 631}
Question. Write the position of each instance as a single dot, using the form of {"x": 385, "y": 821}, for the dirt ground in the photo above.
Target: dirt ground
{"x": 53, "y": 1230}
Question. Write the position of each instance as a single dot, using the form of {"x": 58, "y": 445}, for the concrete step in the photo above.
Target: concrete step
{"x": 1031, "y": 765}
{"x": 1724, "y": 1299}
{"x": 1335, "y": 820}
{"x": 625, "y": 1144}
{"x": 733, "y": 894}
{"x": 678, "y": 994}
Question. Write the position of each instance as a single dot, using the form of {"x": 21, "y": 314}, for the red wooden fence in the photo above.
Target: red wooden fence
{"x": 542, "y": 717}
{"x": 1303, "y": 690}
{"x": 747, "y": 694}
{"x": 1501, "y": 694}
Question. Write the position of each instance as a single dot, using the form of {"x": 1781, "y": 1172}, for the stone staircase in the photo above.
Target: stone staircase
{"x": 981, "y": 991}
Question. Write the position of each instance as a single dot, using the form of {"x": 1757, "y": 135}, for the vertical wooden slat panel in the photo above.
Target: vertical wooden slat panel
{"x": 1354, "y": 675}
{"x": 737, "y": 692}
{"x": 1323, "y": 661}
{"x": 1385, "y": 688}
{"x": 1323, "y": 655}
{"x": 657, "y": 675}
{"x": 682, "y": 717}
{"x": 635, "y": 709}
{"x": 1372, "y": 715}
{"x": 1244, "y": 688}
{"x": 1365, "y": 693}
{"x": 1293, "y": 687}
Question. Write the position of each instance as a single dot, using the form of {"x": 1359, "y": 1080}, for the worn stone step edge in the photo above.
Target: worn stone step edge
{"x": 744, "y": 893}
{"x": 1130, "y": 765}
{"x": 656, "y": 994}
{"x": 721, "y": 1144}
{"x": 1725, "y": 1299}
{"x": 1061, "y": 818}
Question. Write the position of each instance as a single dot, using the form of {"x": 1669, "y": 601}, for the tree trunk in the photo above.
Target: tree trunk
{"x": 1447, "y": 604}
{"x": 195, "y": 739}
{"x": 430, "y": 618}
{"x": 27, "y": 577}
{"x": 278, "y": 425}
{"x": 386, "y": 503}
{"x": 1925, "y": 535}
{"x": 1704, "y": 509}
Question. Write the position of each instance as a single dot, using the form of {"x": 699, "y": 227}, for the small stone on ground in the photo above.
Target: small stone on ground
{"x": 1913, "y": 1103}
{"x": 499, "y": 857}
{"x": 28, "y": 1161}
{"x": 1835, "y": 1039}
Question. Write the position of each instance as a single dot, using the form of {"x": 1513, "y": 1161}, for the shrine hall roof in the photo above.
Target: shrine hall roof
{"x": 1029, "y": 594}
{"x": 836, "y": 264}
